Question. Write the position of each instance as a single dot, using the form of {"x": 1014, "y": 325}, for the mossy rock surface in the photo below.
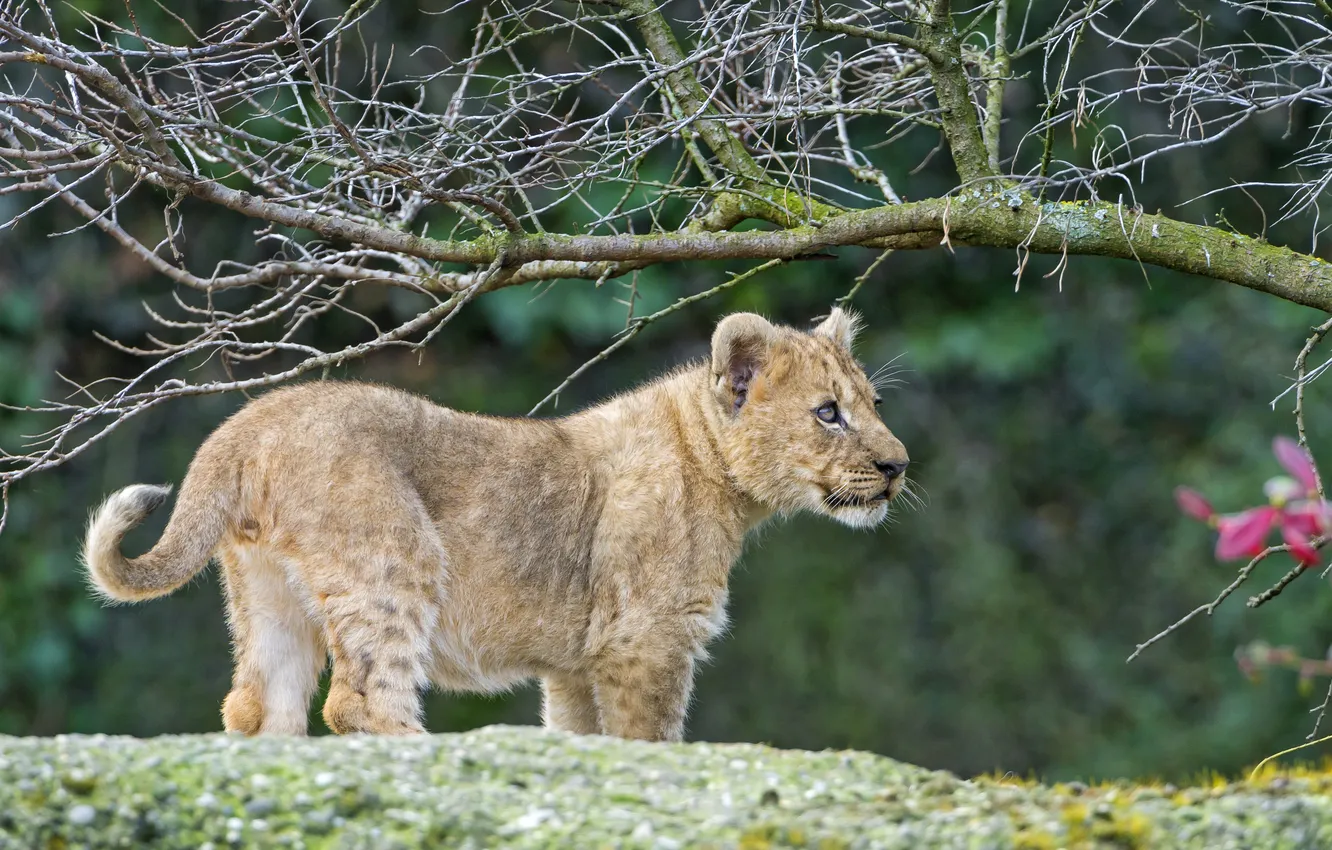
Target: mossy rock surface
{"x": 526, "y": 787}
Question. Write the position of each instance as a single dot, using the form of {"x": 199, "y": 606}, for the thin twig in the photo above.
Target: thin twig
{"x": 641, "y": 322}
{"x": 1301, "y": 380}
{"x": 1211, "y": 607}
{"x": 861, "y": 278}
{"x": 1322, "y": 712}
{"x": 1275, "y": 590}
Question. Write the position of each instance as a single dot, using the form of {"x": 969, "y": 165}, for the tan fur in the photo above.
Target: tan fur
{"x": 417, "y": 545}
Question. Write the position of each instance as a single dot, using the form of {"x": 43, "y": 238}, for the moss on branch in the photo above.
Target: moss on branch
{"x": 1004, "y": 220}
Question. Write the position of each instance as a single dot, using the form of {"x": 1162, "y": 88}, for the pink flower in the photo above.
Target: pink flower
{"x": 1244, "y": 535}
{"x": 1293, "y": 507}
{"x": 1297, "y": 462}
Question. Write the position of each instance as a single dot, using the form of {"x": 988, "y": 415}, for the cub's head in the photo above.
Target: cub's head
{"x": 799, "y": 423}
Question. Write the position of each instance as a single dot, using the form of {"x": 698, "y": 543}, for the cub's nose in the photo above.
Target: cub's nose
{"x": 891, "y": 468}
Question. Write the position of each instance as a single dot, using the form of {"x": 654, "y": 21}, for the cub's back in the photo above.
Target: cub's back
{"x": 462, "y": 465}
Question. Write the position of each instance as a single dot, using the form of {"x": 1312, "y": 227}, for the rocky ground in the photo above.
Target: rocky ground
{"x": 525, "y": 787}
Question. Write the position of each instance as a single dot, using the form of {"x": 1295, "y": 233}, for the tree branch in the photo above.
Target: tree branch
{"x": 938, "y": 42}
{"x": 688, "y": 92}
{"x": 822, "y": 24}
{"x": 994, "y": 95}
{"x": 1009, "y": 220}
{"x": 952, "y": 89}
{"x": 764, "y": 110}
{"x": 785, "y": 207}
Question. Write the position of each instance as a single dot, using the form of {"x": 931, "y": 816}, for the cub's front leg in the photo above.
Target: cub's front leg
{"x": 644, "y": 680}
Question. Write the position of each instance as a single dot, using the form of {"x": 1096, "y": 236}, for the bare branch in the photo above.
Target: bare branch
{"x": 994, "y": 95}
{"x": 648, "y": 139}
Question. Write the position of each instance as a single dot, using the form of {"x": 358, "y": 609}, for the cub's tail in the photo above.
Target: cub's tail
{"x": 184, "y": 550}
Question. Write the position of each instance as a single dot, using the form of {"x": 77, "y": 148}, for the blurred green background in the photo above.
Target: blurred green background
{"x": 987, "y": 631}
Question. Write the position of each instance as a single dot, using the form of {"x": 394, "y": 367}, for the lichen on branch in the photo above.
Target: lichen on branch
{"x": 1008, "y": 219}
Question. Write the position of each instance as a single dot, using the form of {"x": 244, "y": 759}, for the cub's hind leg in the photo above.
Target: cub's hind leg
{"x": 569, "y": 703}
{"x": 379, "y": 631}
{"x": 279, "y": 652}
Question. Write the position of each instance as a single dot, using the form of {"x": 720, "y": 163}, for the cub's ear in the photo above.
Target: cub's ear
{"x": 739, "y": 349}
{"x": 841, "y": 327}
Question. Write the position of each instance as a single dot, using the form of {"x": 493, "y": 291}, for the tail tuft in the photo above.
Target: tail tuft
{"x": 111, "y": 575}
{"x": 149, "y": 497}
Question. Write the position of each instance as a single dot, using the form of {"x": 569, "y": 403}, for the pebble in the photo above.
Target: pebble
{"x": 82, "y": 815}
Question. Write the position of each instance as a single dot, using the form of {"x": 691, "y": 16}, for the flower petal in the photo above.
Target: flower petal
{"x": 1193, "y": 503}
{"x": 1243, "y": 535}
{"x": 1308, "y": 518}
{"x": 1299, "y": 545}
{"x": 1296, "y": 461}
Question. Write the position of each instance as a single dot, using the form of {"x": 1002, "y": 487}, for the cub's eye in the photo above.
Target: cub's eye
{"x": 878, "y": 400}
{"x": 827, "y": 412}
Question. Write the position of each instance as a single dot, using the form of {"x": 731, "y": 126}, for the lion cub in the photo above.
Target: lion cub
{"x": 416, "y": 545}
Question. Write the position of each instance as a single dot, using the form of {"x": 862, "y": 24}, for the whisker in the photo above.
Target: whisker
{"x": 836, "y": 493}
{"x": 912, "y": 500}
{"x": 889, "y": 365}
{"x": 910, "y": 497}
{"x": 885, "y": 377}
{"x": 894, "y": 360}
{"x": 891, "y": 369}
